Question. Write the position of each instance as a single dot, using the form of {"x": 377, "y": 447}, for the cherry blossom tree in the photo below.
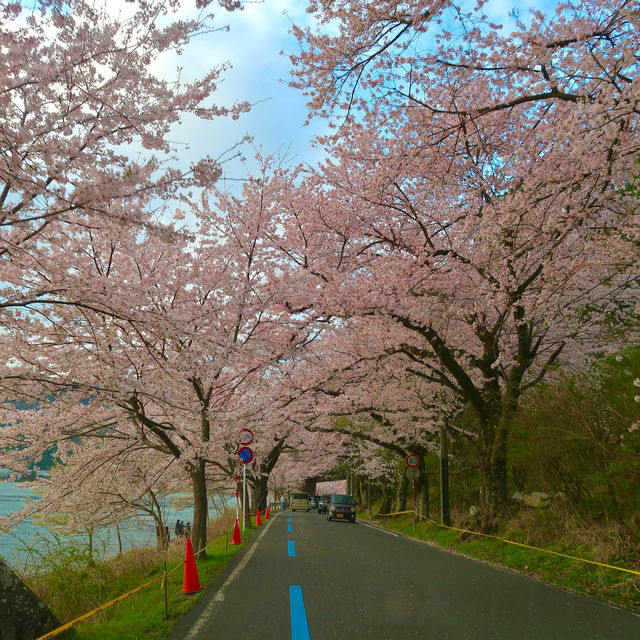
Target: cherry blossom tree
{"x": 192, "y": 326}
{"x": 84, "y": 136}
{"x": 474, "y": 197}
{"x": 357, "y": 385}
{"x": 85, "y": 125}
{"x": 105, "y": 482}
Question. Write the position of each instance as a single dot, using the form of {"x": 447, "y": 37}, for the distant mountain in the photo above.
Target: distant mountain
{"x": 48, "y": 459}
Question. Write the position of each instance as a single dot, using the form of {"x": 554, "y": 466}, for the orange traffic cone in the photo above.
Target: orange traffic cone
{"x": 258, "y": 521}
{"x": 236, "y": 534}
{"x": 266, "y": 513}
{"x": 190, "y": 582}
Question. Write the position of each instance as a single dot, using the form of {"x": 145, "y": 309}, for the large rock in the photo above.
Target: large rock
{"x": 23, "y": 616}
{"x": 535, "y": 499}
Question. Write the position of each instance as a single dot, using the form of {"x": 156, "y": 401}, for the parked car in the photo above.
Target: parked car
{"x": 312, "y": 502}
{"x": 300, "y": 501}
{"x": 342, "y": 507}
{"x": 323, "y": 503}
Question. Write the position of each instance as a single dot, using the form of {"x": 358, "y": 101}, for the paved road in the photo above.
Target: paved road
{"x": 306, "y": 578}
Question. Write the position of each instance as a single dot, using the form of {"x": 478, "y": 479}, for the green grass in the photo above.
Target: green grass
{"x": 604, "y": 584}
{"x": 142, "y": 615}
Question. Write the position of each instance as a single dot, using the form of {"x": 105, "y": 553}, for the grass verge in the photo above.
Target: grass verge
{"x": 609, "y": 585}
{"x": 141, "y": 615}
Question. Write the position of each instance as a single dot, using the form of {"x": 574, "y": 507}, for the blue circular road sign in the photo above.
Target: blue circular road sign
{"x": 245, "y": 454}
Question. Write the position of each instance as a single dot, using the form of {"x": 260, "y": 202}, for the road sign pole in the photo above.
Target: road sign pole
{"x": 244, "y": 493}
{"x": 236, "y": 479}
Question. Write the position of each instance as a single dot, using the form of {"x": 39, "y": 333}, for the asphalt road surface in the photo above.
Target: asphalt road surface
{"x": 305, "y": 578}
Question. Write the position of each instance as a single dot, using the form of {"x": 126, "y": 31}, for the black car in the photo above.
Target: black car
{"x": 342, "y": 507}
{"x": 323, "y": 503}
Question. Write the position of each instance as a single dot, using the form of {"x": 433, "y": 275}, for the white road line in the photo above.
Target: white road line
{"x": 364, "y": 524}
{"x": 219, "y": 597}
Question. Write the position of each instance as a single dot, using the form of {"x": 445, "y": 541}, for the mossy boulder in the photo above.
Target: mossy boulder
{"x": 23, "y": 616}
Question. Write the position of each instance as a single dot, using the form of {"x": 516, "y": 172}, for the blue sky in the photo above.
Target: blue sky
{"x": 260, "y": 74}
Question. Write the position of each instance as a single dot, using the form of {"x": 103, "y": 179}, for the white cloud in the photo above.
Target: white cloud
{"x": 259, "y": 75}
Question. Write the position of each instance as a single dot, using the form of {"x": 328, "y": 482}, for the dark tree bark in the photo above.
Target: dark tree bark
{"x": 200, "y": 509}
{"x": 422, "y": 488}
{"x": 259, "y": 491}
{"x": 385, "y": 506}
{"x": 444, "y": 476}
{"x": 403, "y": 490}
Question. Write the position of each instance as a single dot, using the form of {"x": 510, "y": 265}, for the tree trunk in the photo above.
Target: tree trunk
{"x": 422, "y": 489}
{"x": 385, "y": 506}
{"x": 90, "y": 537}
{"x": 499, "y": 467}
{"x": 403, "y": 490}
{"x": 261, "y": 473}
{"x": 200, "y": 509}
{"x": 489, "y": 419}
{"x": 259, "y": 493}
{"x": 362, "y": 493}
{"x": 508, "y": 408}
{"x": 355, "y": 486}
{"x": 160, "y": 534}
{"x": 487, "y": 500}
{"x": 444, "y": 476}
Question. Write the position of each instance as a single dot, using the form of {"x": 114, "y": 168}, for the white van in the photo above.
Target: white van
{"x": 300, "y": 501}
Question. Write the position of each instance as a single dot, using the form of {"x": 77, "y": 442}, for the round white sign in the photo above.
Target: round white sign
{"x": 246, "y": 436}
{"x": 412, "y": 460}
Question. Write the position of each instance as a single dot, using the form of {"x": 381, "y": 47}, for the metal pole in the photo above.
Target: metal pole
{"x": 236, "y": 479}
{"x": 244, "y": 493}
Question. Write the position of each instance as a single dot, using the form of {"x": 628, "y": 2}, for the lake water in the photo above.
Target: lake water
{"x": 137, "y": 533}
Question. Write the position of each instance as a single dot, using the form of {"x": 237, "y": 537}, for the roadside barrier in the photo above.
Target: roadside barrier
{"x": 507, "y": 541}
{"x": 190, "y": 580}
{"x": 102, "y": 607}
{"x": 237, "y": 539}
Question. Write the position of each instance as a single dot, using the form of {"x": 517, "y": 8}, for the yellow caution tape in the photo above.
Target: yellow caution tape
{"x": 518, "y": 544}
{"x": 68, "y": 625}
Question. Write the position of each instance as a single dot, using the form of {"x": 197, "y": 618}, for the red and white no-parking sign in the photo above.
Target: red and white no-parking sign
{"x": 412, "y": 460}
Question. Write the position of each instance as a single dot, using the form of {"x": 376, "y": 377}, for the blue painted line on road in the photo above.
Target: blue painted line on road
{"x": 289, "y": 520}
{"x": 299, "y": 626}
{"x": 292, "y": 549}
{"x": 289, "y": 528}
